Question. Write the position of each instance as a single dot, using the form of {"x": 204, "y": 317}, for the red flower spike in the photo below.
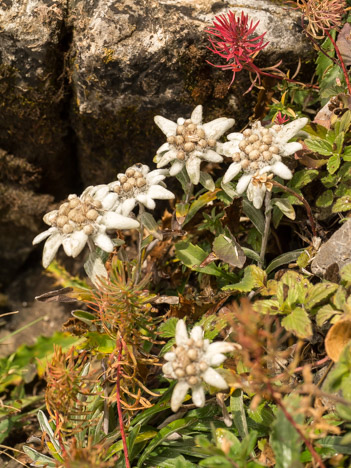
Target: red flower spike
{"x": 233, "y": 41}
{"x": 281, "y": 119}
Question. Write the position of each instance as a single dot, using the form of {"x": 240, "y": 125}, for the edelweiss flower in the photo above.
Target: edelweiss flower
{"x": 191, "y": 361}
{"x": 80, "y": 219}
{"x": 189, "y": 142}
{"x": 257, "y": 151}
{"x": 139, "y": 185}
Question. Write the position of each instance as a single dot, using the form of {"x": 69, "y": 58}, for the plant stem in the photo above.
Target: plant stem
{"x": 291, "y": 420}
{"x": 105, "y": 423}
{"x": 140, "y": 241}
{"x": 260, "y": 72}
{"x": 342, "y": 63}
{"x": 268, "y": 215}
{"x": 119, "y": 409}
{"x": 91, "y": 245}
{"x": 305, "y": 202}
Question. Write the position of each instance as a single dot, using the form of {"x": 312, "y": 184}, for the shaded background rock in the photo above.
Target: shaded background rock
{"x": 81, "y": 80}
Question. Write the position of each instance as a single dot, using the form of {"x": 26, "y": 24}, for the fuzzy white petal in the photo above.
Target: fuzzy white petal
{"x": 236, "y": 136}
{"x": 229, "y": 148}
{"x": 116, "y": 221}
{"x": 178, "y": 395}
{"x": 217, "y": 127}
{"x": 220, "y": 347}
{"x": 181, "y": 335}
{"x": 170, "y": 356}
{"x": 67, "y": 246}
{"x": 176, "y": 167}
{"x": 197, "y": 333}
{"x": 78, "y": 241}
{"x": 255, "y": 194}
{"x": 216, "y": 359}
{"x": 127, "y": 206}
{"x": 198, "y": 396}
{"x": 211, "y": 156}
{"x": 160, "y": 193}
{"x": 168, "y": 371}
{"x": 43, "y": 235}
{"x": 149, "y": 202}
{"x": 243, "y": 183}
{"x": 281, "y": 170}
{"x": 167, "y": 126}
{"x": 109, "y": 201}
{"x": 291, "y": 129}
{"x": 232, "y": 171}
{"x": 48, "y": 218}
{"x": 196, "y": 116}
{"x": 163, "y": 148}
{"x": 167, "y": 158}
{"x": 211, "y": 377}
{"x": 51, "y": 246}
{"x": 193, "y": 169}
{"x": 103, "y": 241}
{"x": 290, "y": 148}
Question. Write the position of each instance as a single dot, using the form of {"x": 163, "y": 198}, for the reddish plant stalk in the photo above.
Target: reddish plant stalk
{"x": 342, "y": 63}
{"x": 291, "y": 420}
{"x": 119, "y": 409}
{"x": 305, "y": 202}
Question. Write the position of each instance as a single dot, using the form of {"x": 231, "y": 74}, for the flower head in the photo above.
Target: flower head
{"x": 138, "y": 185}
{"x": 191, "y": 361}
{"x": 233, "y": 41}
{"x": 80, "y": 219}
{"x": 322, "y": 15}
{"x": 258, "y": 151}
{"x": 189, "y": 142}
{"x": 281, "y": 119}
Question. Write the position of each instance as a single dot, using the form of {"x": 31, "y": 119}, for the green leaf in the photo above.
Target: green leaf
{"x": 168, "y": 328}
{"x": 345, "y": 121}
{"x": 347, "y": 153}
{"x": 292, "y": 289}
{"x": 256, "y": 216}
{"x": 339, "y": 141}
{"x": 342, "y": 204}
{"x": 319, "y": 146}
{"x": 192, "y": 256}
{"x": 333, "y": 163}
{"x": 164, "y": 433}
{"x": 254, "y": 277}
{"x": 345, "y": 273}
{"x": 229, "y": 251}
{"x": 323, "y": 62}
{"x": 46, "y": 428}
{"x": 298, "y": 322}
{"x": 319, "y": 292}
{"x": 267, "y": 306}
{"x": 149, "y": 222}
{"x": 202, "y": 201}
{"x": 285, "y": 441}
{"x": 285, "y": 207}
{"x": 84, "y": 316}
{"x": 229, "y": 190}
{"x": 251, "y": 254}
{"x": 302, "y": 178}
{"x": 324, "y": 314}
{"x": 38, "y": 458}
{"x": 100, "y": 342}
{"x": 237, "y": 409}
{"x": 95, "y": 268}
{"x": 326, "y": 199}
{"x": 336, "y": 443}
{"x": 283, "y": 260}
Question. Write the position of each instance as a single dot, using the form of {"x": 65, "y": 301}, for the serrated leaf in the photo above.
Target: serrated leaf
{"x": 299, "y": 323}
{"x": 168, "y": 328}
{"x": 323, "y": 62}
{"x": 333, "y": 163}
{"x": 254, "y": 277}
{"x": 342, "y": 204}
{"x": 324, "y": 314}
{"x": 267, "y": 306}
{"x": 302, "y": 178}
{"x": 326, "y": 199}
{"x": 345, "y": 272}
{"x": 285, "y": 207}
{"x": 319, "y": 146}
{"x": 319, "y": 292}
{"x": 229, "y": 251}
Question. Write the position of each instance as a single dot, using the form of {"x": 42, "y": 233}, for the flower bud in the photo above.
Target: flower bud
{"x": 188, "y": 147}
{"x": 247, "y": 132}
{"x": 127, "y": 187}
{"x": 171, "y": 140}
{"x": 193, "y": 380}
{"x": 181, "y": 155}
{"x": 140, "y": 182}
{"x": 190, "y": 369}
{"x": 123, "y": 179}
{"x": 180, "y": 129}
{"x": 274, "y": 149}
{"x": 61, "y": 221}
{"x": 245, "y": 163}
{"x": 92, "y": 215}
{"x": 253, "y": 138}
{"x": 211, "y": 142}
{"x": 179, "y": 140}
{"x": 254, "y": 154}
{"x": 88, "y": 229}
{"x": 201, "y": 132}
{"x": 202, "y": 143}
{"x": 74, "y": 202}
{"x": 67, "y": 229}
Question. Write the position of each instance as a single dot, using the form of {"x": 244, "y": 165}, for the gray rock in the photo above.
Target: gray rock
{"x": 133, "y": 60}
{"x": 335, "y": 252}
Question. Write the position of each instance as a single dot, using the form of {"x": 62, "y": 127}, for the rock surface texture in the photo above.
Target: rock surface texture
{"x": 80, "y": 82}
